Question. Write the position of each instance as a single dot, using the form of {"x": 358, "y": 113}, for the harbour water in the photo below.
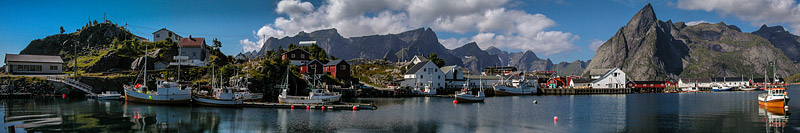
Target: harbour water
{"x": 735, "y": 111}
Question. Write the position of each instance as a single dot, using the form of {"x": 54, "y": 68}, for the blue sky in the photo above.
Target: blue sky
{"x": 559, "y": 29}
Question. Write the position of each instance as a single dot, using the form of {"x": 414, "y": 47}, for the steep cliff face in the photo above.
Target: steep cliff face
{"x": 95, "y": 36}
{"x": 649, "y": 49}
{"x": 781, "y": 39}
{"x": 570, "y": 68}
{"x": 528, "y": 61}
{"x": 474, "y": 58}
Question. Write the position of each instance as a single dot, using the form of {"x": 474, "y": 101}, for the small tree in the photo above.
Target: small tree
{"x": 436, "y": 60}
{"x": 62, "y": 29}
{"x": 217, "y": 43}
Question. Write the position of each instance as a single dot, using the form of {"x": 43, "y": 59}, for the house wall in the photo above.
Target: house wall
{"x": 163, "y": 34}
{"x": 20, "y": 67}
{"x": 311, "y": 68}
{"x": 341, "y": 70}
{"x": 196, "y": 53}
{"x": 429, "y": 72}
{"x": 615, "y": 79}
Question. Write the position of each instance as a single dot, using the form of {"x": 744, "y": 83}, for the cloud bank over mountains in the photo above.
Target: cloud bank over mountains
{"x": 489, "y": 23}
{"x": 757, "y": 12}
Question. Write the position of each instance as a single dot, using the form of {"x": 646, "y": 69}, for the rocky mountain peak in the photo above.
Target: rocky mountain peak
{"x": 643, "y": 19}
{"x": 765, "y": 28}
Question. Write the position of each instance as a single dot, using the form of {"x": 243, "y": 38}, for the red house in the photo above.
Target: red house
{"x": 297, "y": 56}
{"x": 312, "y": 67}
{"x": 338, "y": 68}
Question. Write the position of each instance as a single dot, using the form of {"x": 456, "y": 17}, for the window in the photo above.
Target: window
{"x": 615, "y": 74}
{"x": 439, "y": 77}
{"x": 183, "y": 53}
{"x": 420, "y": 76}
{"x": 194, "y": 53}
{"x": 436, "y": 70}
{"x": 342, "y": 67}
{"x": 53, "y": 67}
{"x": 425, "y": 70}
{"x": 158, "y": 35}
{"x": 292, "y": 55}
{"x": 302, "y": 56}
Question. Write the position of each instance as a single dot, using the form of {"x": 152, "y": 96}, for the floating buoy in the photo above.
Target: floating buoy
{"x": 555, "y": 118}
{"x": 292, "y": 106}
{"x": 63, "y": 95}
{"x": 151, "y": 97}
{"x": 308, "y": 107}
{"x": 455, "y": 101}
{"x": 354, "y": 107}
{"x": 323, "y": 107}
{"x": 535, "y": 102}
{"x": 785, "y": 107}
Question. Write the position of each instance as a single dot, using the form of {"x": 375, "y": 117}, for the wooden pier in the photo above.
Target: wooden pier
{"x": 572, "y": 91}
{"x": 343, "y": 106}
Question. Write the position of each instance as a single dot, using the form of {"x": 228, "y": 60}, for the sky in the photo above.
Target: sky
{"x": 562, "y": 30}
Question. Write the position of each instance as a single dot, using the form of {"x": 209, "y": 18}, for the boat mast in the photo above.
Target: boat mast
{"x": 145, "y": 65}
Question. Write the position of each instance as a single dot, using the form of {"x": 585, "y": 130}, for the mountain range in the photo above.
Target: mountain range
{"x": 404, "y": 46}
{"x": 650, "y": 49}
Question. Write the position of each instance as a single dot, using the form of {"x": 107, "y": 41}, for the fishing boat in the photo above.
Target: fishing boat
{"x": 466, "y": 95}
{"x": 690, "y": 89}
{"x": 166, "y": 92}
{"x": 219, "y": 97}
{"x": 515, "y": 87}
{"x": 425, "y": 89}
{"x": 109, "y": 95}
{"x": 775, "y": 97}
{"x": 748, "y": 89}
{"x": 243, "y": 92}
{"x": 718, "y": 87}
{"x": 316, "y": 96}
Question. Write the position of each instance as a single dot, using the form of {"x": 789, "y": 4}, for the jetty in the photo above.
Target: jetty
{"x": 343, "y": 106}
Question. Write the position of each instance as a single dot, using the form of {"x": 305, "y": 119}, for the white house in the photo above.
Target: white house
{"x": 423, "y": 73}
{"x": 479, "y": 80}
{"x": 694, "y": 82}
{"x": 453, "y": 76}
{"x": 163, "y": 33}
{"x": 610, "y": 78}
{"x": 33, "y": 64}
{"x": 193, "y": 52}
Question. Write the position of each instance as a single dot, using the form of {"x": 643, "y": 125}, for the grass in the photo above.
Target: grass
{"x": 794, "y": 78}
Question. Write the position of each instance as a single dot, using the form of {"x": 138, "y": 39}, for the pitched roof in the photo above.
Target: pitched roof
{"x": 416, "y": 67}
{"x": 191, "y": 42}
{"x": 335, "y": 62}
{"x": 729, "y": 79}
{"x": 161, "y": 30}
{"x": 696, "y": 80}
{"x": 423, "y": 58}
{"x": 312, "y": 61}
{"x": 599, "y": 71}
{"x": 33, "y": 58}
{"x": 296, "y": 49}
{"x": 447, "y": 68}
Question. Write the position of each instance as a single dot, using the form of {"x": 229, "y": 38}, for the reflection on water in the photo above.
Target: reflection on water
{"x": 683, "y": 112}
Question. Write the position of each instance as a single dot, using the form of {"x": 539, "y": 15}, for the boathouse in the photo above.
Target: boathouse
{"x": 296, "y": 56}
{"x": 312, "y": 67}
{"x": 648, "y": 84}
{"x": 610, "y": 78}
{"x": 422, "y": 74}
{"x": 33, "y": 64}
{"x": 339, "y": 69}
{"x": 453, "y": 76}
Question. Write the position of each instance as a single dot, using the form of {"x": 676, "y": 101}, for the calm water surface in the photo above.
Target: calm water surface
{"x": 674, "y": 112}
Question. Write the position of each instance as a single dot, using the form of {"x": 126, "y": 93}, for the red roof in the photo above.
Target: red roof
{"x": 191, "y": 42}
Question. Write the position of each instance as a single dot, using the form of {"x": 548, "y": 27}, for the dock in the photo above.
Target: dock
{"x": 343, "y": 106}
{"x": 571, "y": 91}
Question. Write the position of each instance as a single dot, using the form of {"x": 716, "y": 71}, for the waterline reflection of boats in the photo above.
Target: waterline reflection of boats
{"x": 775, "y": 119}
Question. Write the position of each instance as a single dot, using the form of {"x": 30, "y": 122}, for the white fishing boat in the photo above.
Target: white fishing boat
{"x": 690, "y": 89}
{"x": 220, "y": 97}
{"x": 244, "y": 92}
{"x": 466, "y": 95}
{"x": 425, "y": 89}
{"x": 720, "y": 88}
{"x": 166, "y": 92}
{"x": 109, "y": 95}
{"x": 316, "y": 96}
{"x": 776, "y": 97}
{"x": 515, "y": 87}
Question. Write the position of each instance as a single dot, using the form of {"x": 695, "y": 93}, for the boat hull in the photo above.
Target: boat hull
{"x": 133, "y": 96}
{"x": 776, "y": 103}
{"x": 508, "y": 91}
{"x": 217, "y": 102}
{"x": 469, "y": 98}
{"x": 308, "y": 100}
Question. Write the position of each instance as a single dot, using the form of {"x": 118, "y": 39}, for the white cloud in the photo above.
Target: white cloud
{"x": 756, "y": 12}
{"x": 596, "y": 44}
{"x": 693, "y": 23}
{"x": 248, "y": 45}
{"x": 496, "y": 25}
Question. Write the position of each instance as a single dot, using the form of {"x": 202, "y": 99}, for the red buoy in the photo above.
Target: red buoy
{"x": 455, "y": 101}
{"x": 354, "y": 107}
{"x": 292, "y": 106}
{"x": 63, "y": 95}
{"x": 555, "y": 118}
{"x": 323, "y": 107}
{"x": 308, "y": 107}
